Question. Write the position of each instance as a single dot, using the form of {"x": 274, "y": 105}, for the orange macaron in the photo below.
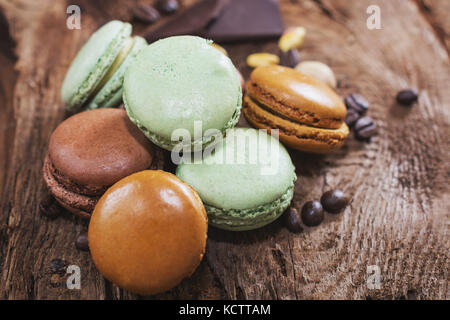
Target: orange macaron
{"x": 148, "y": 232}
{"x": 308, "y": 114}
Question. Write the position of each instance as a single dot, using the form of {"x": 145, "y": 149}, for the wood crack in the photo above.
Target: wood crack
{"x": 439, "y": 32}
{"x": 324, "y": 9}
{"x": 293, "y": 267}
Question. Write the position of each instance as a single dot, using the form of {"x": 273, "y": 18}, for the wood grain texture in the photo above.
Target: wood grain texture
{"x": 399, "y": 216}
{"x": 436, "y": 12}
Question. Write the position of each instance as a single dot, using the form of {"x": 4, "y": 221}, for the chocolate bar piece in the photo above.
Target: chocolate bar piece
{"x": 225, "y": 21}
{"x": 246, "y": 20}
{"x": 192, "y": 21}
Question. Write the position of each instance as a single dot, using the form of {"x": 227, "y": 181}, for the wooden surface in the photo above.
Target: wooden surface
{"x": 399, "y": 216}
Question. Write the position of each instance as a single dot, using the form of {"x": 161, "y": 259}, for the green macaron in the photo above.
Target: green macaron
{"x": 95, "y": 77}
{"x": 245, "y": 183}
{"x": 178, "y": 84}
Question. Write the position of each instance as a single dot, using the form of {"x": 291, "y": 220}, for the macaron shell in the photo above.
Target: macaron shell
{"x": 79, "y": 204}
{"x": 148, "y": 232}
{"x": 296, "y": 96}
{"x": 179, "y": 80}
{"x": 249, "y": 219}
{"x": 242, "y": 182}
{"x": 78, "y": 212}
{"x": 112, "y": 101}
{"x": 110, "y": 95}
{"x": 294, "y": 135}
{"x": 92, "y": 63}
{"x": 99, "y": 147}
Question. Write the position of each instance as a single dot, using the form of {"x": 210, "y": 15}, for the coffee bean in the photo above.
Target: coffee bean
{"x": 82, "y": 242}
{"x": 365, "y": 128}
{"x": 168, "y": 6}
{"x": 407, "y": 97}
{"x": 333, "y": 201}
{"x": 356, "y": 102}
{"x": 146, "y": 13}
{"x": 351, "y": 117}
{"x": 49, "y": 207}
{"x": 56, "y": 280}
{"x": 312, "y": 213}
{"x": 292, "y": 220}
{"x": 57, "y": 266}
{"x": 290, "y": 58}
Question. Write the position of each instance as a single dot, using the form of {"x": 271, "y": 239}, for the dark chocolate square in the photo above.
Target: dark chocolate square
{"x": 225, "y": 21}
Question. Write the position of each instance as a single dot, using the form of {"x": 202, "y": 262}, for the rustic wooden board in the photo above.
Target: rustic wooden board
{"x": 399, "y": 216}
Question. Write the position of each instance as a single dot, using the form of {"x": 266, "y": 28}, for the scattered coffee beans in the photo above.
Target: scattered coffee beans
{"x": 82, "y": 242}
{"x": 57, "y": 266}
{"x": 50, "y": 208}
{"x": 334, "y": 201}
{"x": 290, "y": 58}
{"x": 351, "y": 117}
{"x": 356, "y": 102}
{"x": 168, "y": 6}
{"x": 292, "y": 220}
{"x": 262, "y": 59}
{"x": 365, "y": 128}
{"x": 318, "y": 70}
{"x": 292, "y": 38}
{"x": 312, "y": 213}
{"x": 145, "y": 13}
{"x": 407, "y": 97}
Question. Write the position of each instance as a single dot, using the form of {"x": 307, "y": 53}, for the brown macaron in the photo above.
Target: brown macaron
{"x": 309, "y": 114}
{"x": 148, "y": 232}
{"x": 92, "y": 150}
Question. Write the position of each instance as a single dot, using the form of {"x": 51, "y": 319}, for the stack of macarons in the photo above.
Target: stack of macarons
{"x": 148, "y": 228}
{"x": 308, "y": 114}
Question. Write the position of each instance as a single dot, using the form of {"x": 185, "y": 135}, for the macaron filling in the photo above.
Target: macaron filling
{"x": 263, "y": 116}
{"x": 109, "y": 94}
{"x": 128, "y": 45}
{"x": 252, "y": 218}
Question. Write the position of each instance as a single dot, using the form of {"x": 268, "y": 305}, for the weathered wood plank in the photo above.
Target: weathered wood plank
{"x": 398, "y": 181}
